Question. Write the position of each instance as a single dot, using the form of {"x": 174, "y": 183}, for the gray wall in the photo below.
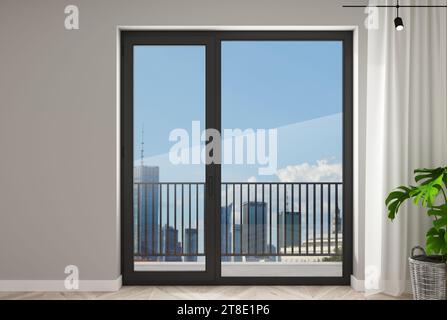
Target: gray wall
{"x": 58, "y": 178}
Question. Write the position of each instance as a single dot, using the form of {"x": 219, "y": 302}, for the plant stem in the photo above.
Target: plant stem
{"x": 443, "y": 192}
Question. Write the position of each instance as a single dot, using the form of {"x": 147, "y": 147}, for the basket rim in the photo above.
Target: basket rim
{"x": 413, "y": 260}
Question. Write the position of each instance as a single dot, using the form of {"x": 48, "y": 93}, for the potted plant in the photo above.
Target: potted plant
{"x": 428, "y": 271}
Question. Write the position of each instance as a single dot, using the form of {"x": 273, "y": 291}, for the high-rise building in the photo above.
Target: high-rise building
{"x": 171, "y": 248}
{"x": 226, "y": 232}
{"x": 337, "y": 222}
{"x": 271, "y": 249}
{"x": 288, "y": 230}
{"x": 254, "y": 229}
{"x": 237, "y": 243}
{"x": 146, "y": 203}
{"x": 190, "y": 245}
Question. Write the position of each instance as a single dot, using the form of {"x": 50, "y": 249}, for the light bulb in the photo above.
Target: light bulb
{"x": 399, "y": 24}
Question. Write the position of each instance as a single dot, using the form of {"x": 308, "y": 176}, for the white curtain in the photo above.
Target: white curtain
{"x": 406, "y": 129}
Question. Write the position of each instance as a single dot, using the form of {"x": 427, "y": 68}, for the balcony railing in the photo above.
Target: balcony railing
{"x": 259, "y": 221}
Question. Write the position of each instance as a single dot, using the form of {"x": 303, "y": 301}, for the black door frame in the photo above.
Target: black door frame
{"x": 128, "y": 41}
{"x": 212, "y": 41}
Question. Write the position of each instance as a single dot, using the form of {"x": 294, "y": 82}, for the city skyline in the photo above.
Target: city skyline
{"x": 252, "y": 223}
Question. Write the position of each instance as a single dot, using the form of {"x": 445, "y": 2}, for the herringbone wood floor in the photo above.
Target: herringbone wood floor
{"x": 209, "y": 293}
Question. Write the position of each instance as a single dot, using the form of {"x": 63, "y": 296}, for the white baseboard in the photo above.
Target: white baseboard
{"x": 357, "y": 285}
{"x": 58, "y": 285}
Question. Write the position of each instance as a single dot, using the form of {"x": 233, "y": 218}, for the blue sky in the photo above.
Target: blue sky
{"x": 294, "y": 86}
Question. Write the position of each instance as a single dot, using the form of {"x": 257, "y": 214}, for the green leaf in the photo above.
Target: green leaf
{"x": 440, "y": 223}
{"x": 438, "y": 211}
{"x": 428, "y": 175}
{"x": 436, "y": 242}
{"x": 426, "y": 194}
{"x": 396, "y": 198}
{"x": 432, "y": 232}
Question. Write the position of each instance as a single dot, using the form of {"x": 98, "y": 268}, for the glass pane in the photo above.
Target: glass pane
{"x": 282, "y": 187}
{"x": 169, "y": 112}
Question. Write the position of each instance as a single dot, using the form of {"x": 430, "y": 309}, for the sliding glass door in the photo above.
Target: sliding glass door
{"x": 168, "y": 232}
{"x": 236, "y": 157}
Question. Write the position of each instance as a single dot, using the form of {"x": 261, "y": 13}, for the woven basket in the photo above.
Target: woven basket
{"x": 428, "y": 276}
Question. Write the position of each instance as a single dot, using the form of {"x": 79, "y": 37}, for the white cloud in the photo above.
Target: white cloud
{"x": 251, "y": 179}
{"x": 322, "y": 171}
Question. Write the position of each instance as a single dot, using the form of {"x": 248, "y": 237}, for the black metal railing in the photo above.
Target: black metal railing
{"x": 258, "y": 220}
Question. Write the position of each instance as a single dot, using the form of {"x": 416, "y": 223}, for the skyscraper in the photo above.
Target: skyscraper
{"x": 254, "y": 229}
{"x": 146, "y": 203}
{"x": 337, "y": 222}
{"x": 226, "y": 232}
{"x": 171, "y": 248}
{"x": 271, "y": 249}
{"x": 288, "y": 231}
{"x": 190, "y": 245}
{"x": 237, "y": 243}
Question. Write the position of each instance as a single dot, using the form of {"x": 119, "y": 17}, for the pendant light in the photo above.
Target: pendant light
{"x": 398, "y": 22}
